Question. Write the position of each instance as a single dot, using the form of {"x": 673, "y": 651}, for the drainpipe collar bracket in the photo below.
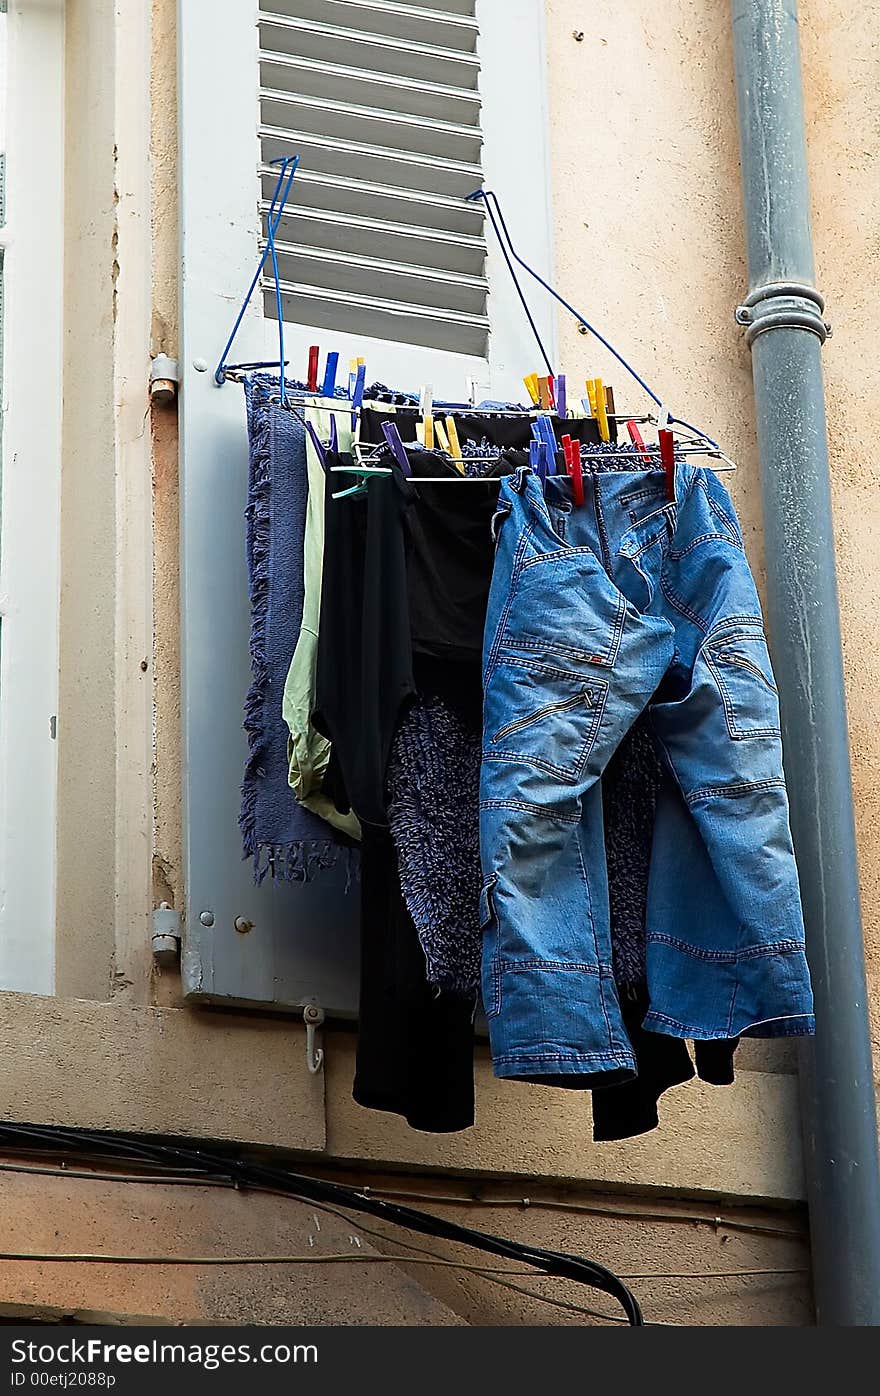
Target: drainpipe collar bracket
{"x": 789, "y": 305}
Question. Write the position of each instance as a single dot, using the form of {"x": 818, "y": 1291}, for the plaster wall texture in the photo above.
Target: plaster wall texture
{"x": 690, "y": 1264}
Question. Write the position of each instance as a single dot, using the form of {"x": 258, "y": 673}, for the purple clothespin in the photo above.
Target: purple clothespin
{"x": 392, "y": 436}
{"x": 334, "y": 434}
{"x": 318, "y": 445}
{"x": 561, "y": 397}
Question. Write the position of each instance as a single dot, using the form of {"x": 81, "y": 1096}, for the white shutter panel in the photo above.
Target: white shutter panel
{"x": 398, "y": 111}
{"x": 382, "y": 102}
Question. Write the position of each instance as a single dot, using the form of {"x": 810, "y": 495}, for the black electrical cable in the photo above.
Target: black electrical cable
{"x": 116, "y": 1146}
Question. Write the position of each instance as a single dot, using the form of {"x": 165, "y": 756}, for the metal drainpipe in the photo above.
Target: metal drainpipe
{"x": 785, "y": 329}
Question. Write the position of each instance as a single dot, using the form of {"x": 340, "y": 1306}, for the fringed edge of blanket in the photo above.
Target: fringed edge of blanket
{"x": 259, "y": 534}
{"x": 303, "y": 861}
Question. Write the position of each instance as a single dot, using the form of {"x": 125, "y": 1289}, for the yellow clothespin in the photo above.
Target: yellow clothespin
{"x": 442, "y": 438}
{"x": 454, "y": 444}
{"x": 591, "y": 395}
{"x": 532, "y": 388}
{"x": 426, "y": 407}
{"x": 360, "y": 361}
{"x": 601, "y": 410}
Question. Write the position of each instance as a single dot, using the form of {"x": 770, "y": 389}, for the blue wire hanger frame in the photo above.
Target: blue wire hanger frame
{"x": 289, "y": 165}
{"x": 499, "y": 224}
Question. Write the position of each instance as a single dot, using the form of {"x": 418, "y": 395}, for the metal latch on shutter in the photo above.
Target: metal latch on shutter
{"x": 313, "y": 1017}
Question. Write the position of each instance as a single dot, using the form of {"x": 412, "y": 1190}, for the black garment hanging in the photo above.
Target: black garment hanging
{"x": 415, "y": 1053}
{"x": 364, "y": 662}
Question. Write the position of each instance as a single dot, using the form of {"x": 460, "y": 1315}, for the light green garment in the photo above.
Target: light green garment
{"x": 308, "y": 750}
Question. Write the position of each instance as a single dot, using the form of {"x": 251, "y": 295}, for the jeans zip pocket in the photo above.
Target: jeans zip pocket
{"x": 733, "y": 658}
{"x": 586, "y": 698}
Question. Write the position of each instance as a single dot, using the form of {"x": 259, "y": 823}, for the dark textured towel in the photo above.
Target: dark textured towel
{"x": 433, "y": 790}
{"x": 283, "y": 839}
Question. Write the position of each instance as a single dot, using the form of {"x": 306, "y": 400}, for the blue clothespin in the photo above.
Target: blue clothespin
{"x": 547, "y": 433}
{"x": 358, "y": 394}
{"x": 330, "y": 372}
{"x": 551, "y": 458}
{"x": 535, "y": 448}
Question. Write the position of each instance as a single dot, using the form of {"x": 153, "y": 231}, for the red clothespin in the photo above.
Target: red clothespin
{"x": 551, "y": 388}
{"x": 312, "y": 380}
{"x": 638, "y": 441}
{"x": 667, "y": 456}
{"x": 566, "y": 452}
{"x": 575, "y": 470}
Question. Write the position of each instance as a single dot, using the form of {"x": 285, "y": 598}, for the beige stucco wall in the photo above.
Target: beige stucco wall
{"x": 649, "y": 240}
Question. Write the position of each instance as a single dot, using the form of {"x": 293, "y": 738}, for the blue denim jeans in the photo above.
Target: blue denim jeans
{"x": 597, "y": 612}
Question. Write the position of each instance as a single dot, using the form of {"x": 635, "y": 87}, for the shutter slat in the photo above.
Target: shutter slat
{"x": 382, "y": 53}
{"x": 353, "y": 159}
{"x": 365, "y": 198}
{"x": 455, "y": 27}
{"x": 427, "y": 247}
{"x": 400, "y": 130}
{"x": 381, "y": 100}
{"x": 360, "y": 314}
{"x": 323, "y": 76}
{"x": 345, "y": 271}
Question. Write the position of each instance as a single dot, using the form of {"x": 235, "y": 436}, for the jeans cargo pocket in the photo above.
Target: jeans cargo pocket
{"x": 739, "y": 662}
{"x": 564, "y": 603}
{"x": 491, "y": 960}
{"x": 553, "y": 716}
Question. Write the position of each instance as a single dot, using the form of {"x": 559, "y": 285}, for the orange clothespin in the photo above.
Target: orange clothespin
{"x": 544, "y": 391}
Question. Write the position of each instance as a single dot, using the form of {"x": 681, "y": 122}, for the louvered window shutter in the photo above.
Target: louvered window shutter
{"x": 382, "y": 101}
{"x": 398, "y": 111}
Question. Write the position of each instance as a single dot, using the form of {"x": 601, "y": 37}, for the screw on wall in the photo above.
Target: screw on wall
{"x": 207, "y": 918}
{"x": 578, "y": 36}
{"x": 243, "y": 925}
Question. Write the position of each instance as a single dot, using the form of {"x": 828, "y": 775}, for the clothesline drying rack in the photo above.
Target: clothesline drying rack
{"x": 545, "y": 449}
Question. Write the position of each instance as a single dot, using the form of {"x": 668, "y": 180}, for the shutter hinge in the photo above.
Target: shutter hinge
{"x": 166, "y": 935}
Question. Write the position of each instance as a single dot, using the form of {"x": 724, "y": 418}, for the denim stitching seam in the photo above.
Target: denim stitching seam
{"x": 681, "y": 606}
{"x": 526, "y": 808}
{"x": 727, "y": 957}
{"x": 742, "y": 788}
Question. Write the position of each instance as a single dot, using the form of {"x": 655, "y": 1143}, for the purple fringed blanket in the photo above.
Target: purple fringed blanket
{"x": 284, "y": 839}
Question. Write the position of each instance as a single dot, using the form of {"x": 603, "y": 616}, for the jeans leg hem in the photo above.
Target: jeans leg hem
{"x": 786, "y": 1025}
